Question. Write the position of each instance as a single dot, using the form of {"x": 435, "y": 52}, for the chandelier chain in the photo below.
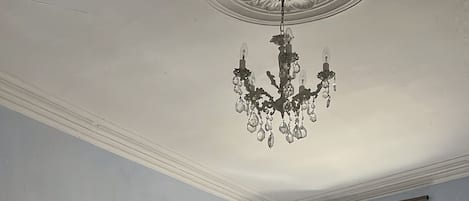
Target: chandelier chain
{"x": 282, "y": 20}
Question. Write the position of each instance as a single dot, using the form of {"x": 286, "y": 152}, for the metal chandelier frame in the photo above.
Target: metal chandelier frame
{"x": 256, "y": 102}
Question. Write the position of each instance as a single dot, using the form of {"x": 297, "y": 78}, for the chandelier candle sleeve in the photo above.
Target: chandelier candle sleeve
{"x": 257, "y": 103}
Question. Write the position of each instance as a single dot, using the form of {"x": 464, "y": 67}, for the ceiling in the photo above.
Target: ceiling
{"x": 163, "y": 70}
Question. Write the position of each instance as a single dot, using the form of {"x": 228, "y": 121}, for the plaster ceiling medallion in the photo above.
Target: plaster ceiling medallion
{"x": 265, "y": 12}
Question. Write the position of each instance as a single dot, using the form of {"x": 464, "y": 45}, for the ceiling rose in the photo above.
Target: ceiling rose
{"x": 290, "y": 5}
{"x": 266, "y": 12}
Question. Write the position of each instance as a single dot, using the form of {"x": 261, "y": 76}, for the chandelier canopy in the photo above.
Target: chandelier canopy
{"x": 260, "y": 106}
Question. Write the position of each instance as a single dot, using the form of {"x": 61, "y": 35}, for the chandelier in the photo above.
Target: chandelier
{"x": 260, "y": 106}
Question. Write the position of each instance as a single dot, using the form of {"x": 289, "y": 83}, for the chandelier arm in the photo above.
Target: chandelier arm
{"x": 254, "y": 96}
{"x": 306, "y": 94}
{"x": 318, "y": 89}
{"x": 272, "y": 79}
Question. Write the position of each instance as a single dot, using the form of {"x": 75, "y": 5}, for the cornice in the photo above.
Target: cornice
{"x": 36, "y": 104}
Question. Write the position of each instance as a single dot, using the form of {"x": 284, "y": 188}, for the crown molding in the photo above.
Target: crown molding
{"x": 36, "y": 104}
{"x": 431, "y": 174}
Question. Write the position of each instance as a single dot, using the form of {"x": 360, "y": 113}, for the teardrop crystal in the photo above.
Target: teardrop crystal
{"x": 237, "y": 89}
{"x": 310, "y": 111}
{"x": 269, "y": 117}
{"x": 334, "y": 85}
{"x": 268, "y": 125}
{"x": 296, "y": 68}
{"x": 312, "y": 105}
{"x": 303, "y": 132}
{"x": 251, "y": 128}
{"x": 289, "y": 138}
{"x": 325, "y": 94}
{"x": 283, "y": 128}
{"x": 328, "y": 103}
{"x": 253, "y": 120}
{"x": 236, "y": 80}
{"x": 261, "y": 135}
{"x": 270, "y": 140}
{"x": 313, "y": 118}
{"x": 239, "y": 105}
{"x": 296, "y": 131}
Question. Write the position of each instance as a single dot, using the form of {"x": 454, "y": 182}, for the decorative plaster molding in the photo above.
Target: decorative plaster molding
{"x": 291, "y": 6}
{"x": 34, "y": 103}
{"x": 266, "y": 12}
{"x": 435, "y": 173}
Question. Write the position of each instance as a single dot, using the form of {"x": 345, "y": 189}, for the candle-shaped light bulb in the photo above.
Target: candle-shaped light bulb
{"x": 303, "y": 78}
{"x": 327, "y": 58}
{"x": 243, "y": 54}
{"x": 289, "y": 34}
{"x": 326, "y": 55}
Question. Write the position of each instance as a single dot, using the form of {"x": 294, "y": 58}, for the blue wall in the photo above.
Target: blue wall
{"x": 39, "y": 163}
{"x": 456, "y": 190}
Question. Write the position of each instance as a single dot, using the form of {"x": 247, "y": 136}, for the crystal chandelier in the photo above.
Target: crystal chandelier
{"x": 260, "y": 106}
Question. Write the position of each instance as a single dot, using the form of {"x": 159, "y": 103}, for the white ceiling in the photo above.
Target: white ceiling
{"x": 163, "y": 69}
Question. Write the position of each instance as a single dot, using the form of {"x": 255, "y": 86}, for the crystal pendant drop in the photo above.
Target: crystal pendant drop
{"x": 328, "y": 103}
{"x": 325, "y": 84}
{"x": 247, "y": 107}
{"x": 296, "y": 68}
{"x": 313, "y": 118}
{"x": 253, "y": 120}
{"x": 291, "y": 117}
{"x": 251, "y": 128}
{"x": 303, "y": 132}
{"x": 304, "y": 106}
{"x": 289, "y": 138}
{"x": 270, "y": 140}
{"x": 283, "y": 128}
{"x": 296, "y": 131}
{"x": 325, "y": 94}
{"x": 235, "y": 80}
{"x": 312, "y": 105}
{"x": 293, "y": 75}
{"x": 268, "y": 125}
{"x": 310, "y": 111}
{"x": 240, "y": 105}
{"x": 261, "y": 134}
{"x": 237, "y": 90}
{"x": 334, "y": 85}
